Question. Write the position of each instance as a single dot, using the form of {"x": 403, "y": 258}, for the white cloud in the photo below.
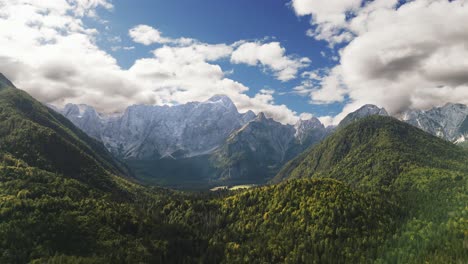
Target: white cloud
{"x": 147, "y": 35}
{"x": 49, "y": 52}
{"x": 327, "y": 120}
{"x": 306, "y": 116}
{"x": 184, "y": 74}
{"x": 272, "y": 56}
{"x": 413, "y": 56}
{"x": 328, "y": 17}
{"x": 333, "y": 11}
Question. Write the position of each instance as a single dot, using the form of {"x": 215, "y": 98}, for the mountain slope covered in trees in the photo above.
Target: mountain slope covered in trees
{"x": 45, "y": 139}
{"x": 426, "y": 177}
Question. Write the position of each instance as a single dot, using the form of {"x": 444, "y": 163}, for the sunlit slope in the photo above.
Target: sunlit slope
{"x": 424, "y": 176}
{"x": 373, "y": 152}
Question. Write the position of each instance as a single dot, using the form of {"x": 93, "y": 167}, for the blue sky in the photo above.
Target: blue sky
{"x": 214, "y": 21}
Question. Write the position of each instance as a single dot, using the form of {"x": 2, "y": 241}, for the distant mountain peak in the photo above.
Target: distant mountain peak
{"x": 370, "y": 108}
{"x": 221, "y": 98}
{"x": 79, "y": 109}
{"x": 311, "y": 122}
{"x": 218, "y": 97}
{"x": 152, "y": 131}
{"x": 364, "y": 111}
{"x": 248, "y": 116}
{"x": 449, "y": 121}
{"x": 261, "y": 117}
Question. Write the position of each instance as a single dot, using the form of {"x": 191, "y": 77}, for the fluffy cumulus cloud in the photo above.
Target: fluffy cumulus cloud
{"x": 398, "y": 55}
{"x": 271, "y": 56}
{"x": 148, "y": 35}
{"x": 329, "y": 17}
{"x": 49, "y": 52}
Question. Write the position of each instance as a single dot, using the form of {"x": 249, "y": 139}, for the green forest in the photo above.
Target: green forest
{"x": 376, "y": 191}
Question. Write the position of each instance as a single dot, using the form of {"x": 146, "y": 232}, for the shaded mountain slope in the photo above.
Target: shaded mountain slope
{"x": 45, "y": 139}
{"x": 255, "y": 151}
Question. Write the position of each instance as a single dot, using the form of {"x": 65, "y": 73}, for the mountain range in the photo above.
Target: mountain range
{"x": 213, "y": 140}
{"x": 201, "y": 135}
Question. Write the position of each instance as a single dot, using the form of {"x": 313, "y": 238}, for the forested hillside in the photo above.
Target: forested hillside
{"x": 45, "y": 139}
{"x": 425, "y": 176}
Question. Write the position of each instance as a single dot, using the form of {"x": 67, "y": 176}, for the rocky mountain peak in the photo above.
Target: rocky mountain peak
{"x": 248, "y": 116}
{"x": 148, "y": 132}
{"x": 261, "y": 117}
{"x": 448, "y": 122}
{"x": 309, "y": 123}
{"x": 370, "y": 109}
{"x": 223, "y": 100}
{"x": 364, "y": 111}
{"x": 309, "y": 130}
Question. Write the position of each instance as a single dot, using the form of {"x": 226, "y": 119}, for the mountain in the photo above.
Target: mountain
{"x": 424, "y": 176}
{"x": 449, "y": 122}
{"x": 201, "y": 142}
{"x": 39, "y": 136}
{"x": 198, "y": 141}
{"x": 145, "y": 132}
{"x": 258, "y": 150}
{"x": 391, "y": 145}
{"x": 254, "y": 150}
{"x": 308, "y": 130}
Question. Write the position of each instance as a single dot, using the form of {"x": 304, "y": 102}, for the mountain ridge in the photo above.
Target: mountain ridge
{"x": 373, "y": 133}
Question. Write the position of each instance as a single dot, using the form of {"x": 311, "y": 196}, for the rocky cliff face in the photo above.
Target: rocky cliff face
{"x": 240, "y": 146}
{"x": 449, "y": 122}
{"x": 149, "y": 132}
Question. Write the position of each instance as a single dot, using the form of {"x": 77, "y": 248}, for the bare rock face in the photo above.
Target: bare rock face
{"x": 239, "y": 146}
{"x": 449, "y": 122}
{"x": 148, "y": 132}
{"x": 309, "y": 129}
